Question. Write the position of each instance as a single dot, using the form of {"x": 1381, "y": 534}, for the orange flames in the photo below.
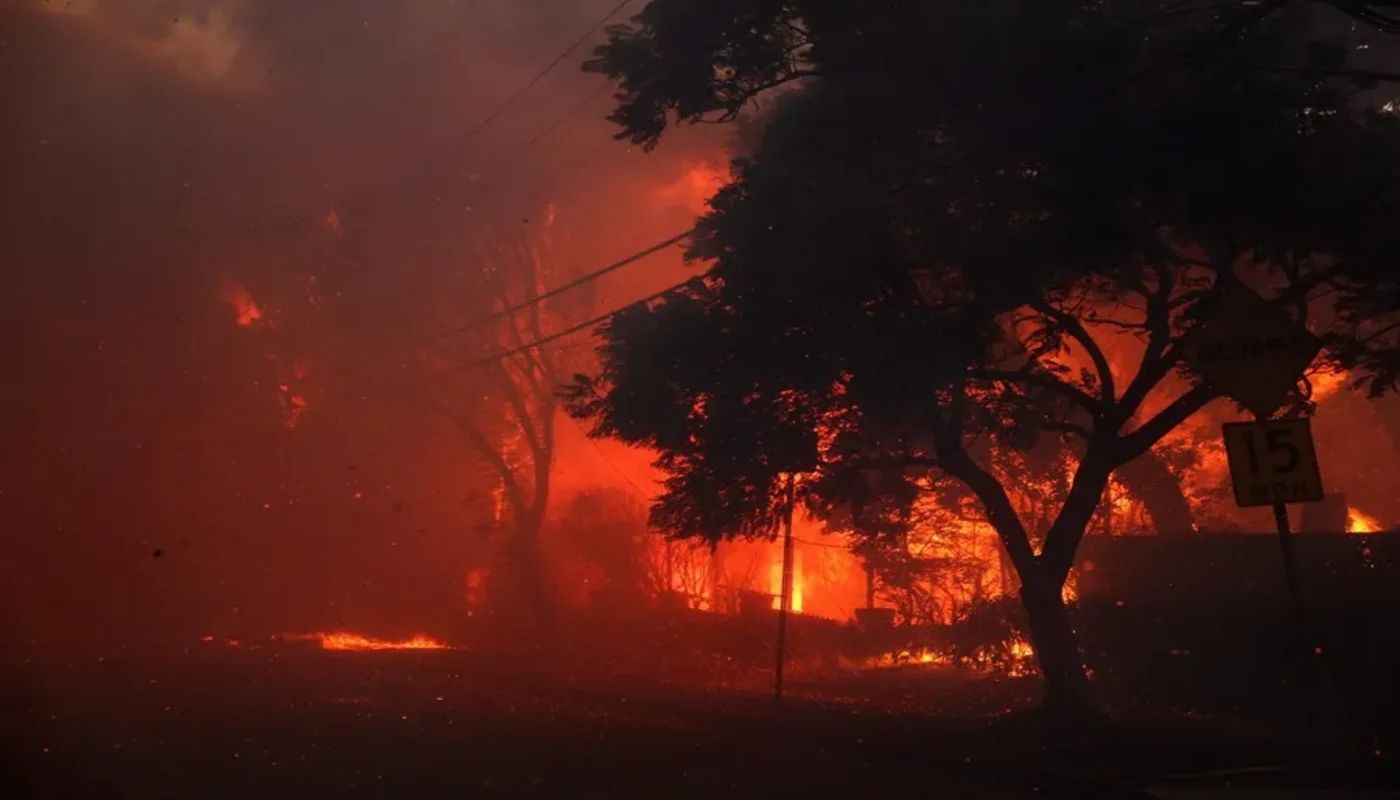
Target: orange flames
{"x": 1360, "y": 522}
{"x": 345, "y": 640}
{"x": 1014, "y": 658}
{"x": 290, "y": 372}
{"x": 775, "y": 583}
{"x": 828, "y": 580}
{"x": 699, "y": 182}
{"x": 354, "y": 641}
{"x": 342, "y": 640}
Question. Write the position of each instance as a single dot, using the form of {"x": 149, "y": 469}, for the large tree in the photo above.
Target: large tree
{"x": 947, "y": 235}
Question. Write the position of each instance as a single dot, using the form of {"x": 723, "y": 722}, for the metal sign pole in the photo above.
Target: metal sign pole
{"x": 1308, "y": 653}
{"x": 1292, "y": 574}
{"x": 785, "y": 594}
{"x": 1254, "y": 351}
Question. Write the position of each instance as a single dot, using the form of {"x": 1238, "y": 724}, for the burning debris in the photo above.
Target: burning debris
{"x": 1012, "y": 658}
{"x": 341, "y": 640}
{"x": 345, "y": 640}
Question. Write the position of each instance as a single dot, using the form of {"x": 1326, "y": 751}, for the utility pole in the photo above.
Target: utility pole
{"x": 785, "y": 592}
{"x": 712, "y": 580}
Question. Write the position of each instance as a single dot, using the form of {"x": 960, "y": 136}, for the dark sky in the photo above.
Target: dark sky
{"x": 155, "y": 152}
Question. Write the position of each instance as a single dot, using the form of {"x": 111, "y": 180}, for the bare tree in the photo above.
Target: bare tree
{"x": 505, "y": 403}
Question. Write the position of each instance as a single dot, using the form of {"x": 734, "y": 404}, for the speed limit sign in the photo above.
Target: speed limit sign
{"x": 1273, "y": 462}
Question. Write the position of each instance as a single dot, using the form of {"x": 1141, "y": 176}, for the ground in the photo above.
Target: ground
{"x": 216, "y": 723}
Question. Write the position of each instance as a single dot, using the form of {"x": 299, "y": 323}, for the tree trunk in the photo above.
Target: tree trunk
{"x": 527, "y": 558}
{"x": 869, "y": 585}
{"x": 1067, "y": 691}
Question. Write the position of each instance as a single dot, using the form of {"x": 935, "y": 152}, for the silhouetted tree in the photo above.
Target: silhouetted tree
{"x": 963, "y": 200}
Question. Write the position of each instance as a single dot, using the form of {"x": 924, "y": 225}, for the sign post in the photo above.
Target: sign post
{"x": 1274, "y": 463}
{"x": 1255, "y": 353}
{"x": 1250, "y": 350}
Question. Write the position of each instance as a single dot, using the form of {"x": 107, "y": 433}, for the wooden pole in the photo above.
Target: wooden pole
{"x": 785, "y": 593}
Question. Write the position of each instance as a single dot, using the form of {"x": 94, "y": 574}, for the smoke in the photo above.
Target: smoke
{"x": 202, "y": 44}
{"x": 328, "y": 158}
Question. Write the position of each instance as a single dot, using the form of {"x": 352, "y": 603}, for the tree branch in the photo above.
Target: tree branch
{"x": 1043, "y": 380}
{"x": 731, "y": 106}
{"x": 1061, "y": 426}
{"x": 498, "y": 461}
{"x": 1000, "y": 512}
{"x": 1154, "y": 365}
{"x": 1071, "y": 325}
{"x": 1149, "y": 433}
{"x": 521, "y": 409}
{"x": 544, "y": 463}
{"x": 1086, "y": 489}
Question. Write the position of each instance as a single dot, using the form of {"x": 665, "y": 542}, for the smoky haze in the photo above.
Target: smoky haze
{"x": 158, "y": 157}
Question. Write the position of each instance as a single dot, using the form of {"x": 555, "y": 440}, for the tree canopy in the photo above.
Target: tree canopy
{"x": 950, "y": 234}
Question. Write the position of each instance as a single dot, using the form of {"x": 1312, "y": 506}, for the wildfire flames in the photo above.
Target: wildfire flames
{"x": 344, "y": 640}
{"x": 1013, "y": 658}
{"x": 829, "y": 580}
{"x": 290, "y": 372}
{"x": 697, "y": 184}
{"x": 1361, "y": 522}
{"x": 341, "y": 640}
{"x": 775, "y": 583}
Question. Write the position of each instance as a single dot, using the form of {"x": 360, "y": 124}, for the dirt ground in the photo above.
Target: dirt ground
{"x": 304, "y": 723}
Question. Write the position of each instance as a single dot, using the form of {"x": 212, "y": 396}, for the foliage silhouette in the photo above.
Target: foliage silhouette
{"x": 954, "y": 219}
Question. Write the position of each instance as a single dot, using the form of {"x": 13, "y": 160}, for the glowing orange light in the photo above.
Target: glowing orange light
{"x": 1360, "y": 522}
{"x": 775, "y": 582}
{"x": 696, "y": 185}
{"x": 343, "y": 640}
{"x": 355, "y": 641}
{"x": 246, "y": 311}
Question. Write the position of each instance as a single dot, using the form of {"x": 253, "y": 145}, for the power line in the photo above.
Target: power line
{"x": 558, "y": 290}
{"x": 363, "y": 362}
{"x": 639, "y": 493}
{"x": 529, "y": 346}
{"x": 547, "y": 182}
{"x": 437, "y": 152}
{"x": 539, "y": 76}
{"x": 551, "y": 127}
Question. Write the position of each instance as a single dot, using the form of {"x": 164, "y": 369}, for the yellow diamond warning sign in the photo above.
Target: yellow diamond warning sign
{"x": 1273, "y": 462}
{"x": 1250, "y": 350}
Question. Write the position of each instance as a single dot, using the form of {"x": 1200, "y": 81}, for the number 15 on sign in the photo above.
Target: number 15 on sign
{"x": 1273, "y": 462}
